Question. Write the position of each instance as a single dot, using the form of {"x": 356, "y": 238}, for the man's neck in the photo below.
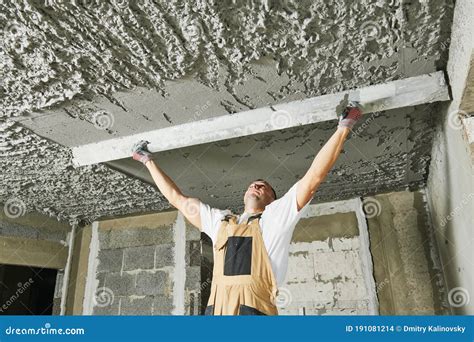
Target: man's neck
{"x": 252, "y": 211}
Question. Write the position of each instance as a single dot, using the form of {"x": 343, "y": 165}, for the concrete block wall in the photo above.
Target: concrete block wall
{"x": 450, "y": 185}
{"x": 193, "y": 271}
{"x": 33, "y": 226}
{"x": 140, "y": 263}
{"x": 33, "y": 239}
{"x": 326, "y": 274}
{"x": 58, "y": 293}
{"x": 407, "y": 267}
{"x": 324, "y": 269}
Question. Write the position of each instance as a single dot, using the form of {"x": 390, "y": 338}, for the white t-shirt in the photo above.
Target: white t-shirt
{"x": 278, "y": 222}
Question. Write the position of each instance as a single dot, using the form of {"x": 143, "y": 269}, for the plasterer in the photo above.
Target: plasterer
{"x": 251, "y": 249}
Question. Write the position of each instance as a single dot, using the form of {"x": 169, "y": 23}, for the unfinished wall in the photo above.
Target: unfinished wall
{"x": 77, "y": 276}
{"x": 324, "y": 269}
{"x": 151, "y": 264}
{"x": 451, "y": 178}
{"x": 146, "y": 265}
{"x": 407, "y": 269}
{"x": 35, "y": 240}
{"x": 31, "y": 226}
{"x": 326, "y": 275}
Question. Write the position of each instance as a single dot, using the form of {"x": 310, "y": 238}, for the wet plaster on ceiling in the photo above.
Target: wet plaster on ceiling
{"x": 388, "y": 151}
{"x": 153, "y": 64}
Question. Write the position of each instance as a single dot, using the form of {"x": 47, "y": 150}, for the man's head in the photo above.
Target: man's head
{"x": 259, "y": 194}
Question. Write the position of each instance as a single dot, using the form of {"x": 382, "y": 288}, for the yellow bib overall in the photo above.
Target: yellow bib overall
{"x": 243, "y": 281}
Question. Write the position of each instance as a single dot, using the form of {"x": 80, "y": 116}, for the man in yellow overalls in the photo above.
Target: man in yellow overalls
{"x": 251, "y": 250}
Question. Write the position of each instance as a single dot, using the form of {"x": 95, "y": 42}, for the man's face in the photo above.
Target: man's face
{"x": 260, "y": 193}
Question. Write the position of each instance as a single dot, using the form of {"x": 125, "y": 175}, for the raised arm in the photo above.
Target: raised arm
{"x": 326, "y": 157}
{"x": 188, "y": 206}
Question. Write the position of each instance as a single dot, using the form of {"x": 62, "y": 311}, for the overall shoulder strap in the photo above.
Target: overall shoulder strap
{"x": 229, "y": 218}
{"x": 253, "y": 217}
{"x": 222, "y": 234}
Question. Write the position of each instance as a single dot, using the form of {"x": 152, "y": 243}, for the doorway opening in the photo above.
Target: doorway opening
{"x": 26, "y": 290}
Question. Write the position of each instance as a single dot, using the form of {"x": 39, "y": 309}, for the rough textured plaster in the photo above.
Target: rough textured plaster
{"x": 52, "y": 53}
{"x": 55, "y": 54}
{"x": 39, "y": 173}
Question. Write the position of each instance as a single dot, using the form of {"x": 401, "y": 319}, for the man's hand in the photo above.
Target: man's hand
{"x": 189, "y": 207}
{"x": 140, "y": 152}
{"x": 351, "y": 115}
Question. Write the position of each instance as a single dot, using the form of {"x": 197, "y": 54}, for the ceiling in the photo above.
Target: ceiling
{"x": 149, "y": 65}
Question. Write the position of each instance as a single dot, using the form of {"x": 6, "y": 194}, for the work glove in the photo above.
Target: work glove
{"x": 140, "y": 152}
{"x": 351, "y": 115}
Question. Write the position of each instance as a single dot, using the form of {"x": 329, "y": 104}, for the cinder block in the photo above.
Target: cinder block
{"x": 152, "y": 283}
{"x": 330, "y": 265}
{"x": 136, "y": 306}
{"x": 193, "y": 278}
{"x": 345, "y": 244}
{"x": 354, "y": 259}
{"x": 193, "y": 253}
{"x": 300, "y": 267}
{"x": 120, "y": 285}
{"x": 134, "y": 237}
{"x": 192, "y": 303}
{"x": 324, "y": 292}
{"x": 353, "y": 289}
{"x": 288, "y": 311}
{"x": 337, "y": 312}
{"x": 162, "y": 305}
{"x": 107, "y": 308}
{"x": 56, "y": 307}
{"x": 310, "y": 291}
{"x": 18, "y": 230}
{"x": 361, "y": 305}
{"x": 318, "y": 245}
{"x": 52, "y": 235}
{"x": 110, "y": 260}
{"x": 313, "y": 246}
{"x": 164, "y": 255}
{"x": 101, "y": 278}
{"x": 192, "y": 233}
{"x": 141, "y": 257}
{"x": 104, "y": 239}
